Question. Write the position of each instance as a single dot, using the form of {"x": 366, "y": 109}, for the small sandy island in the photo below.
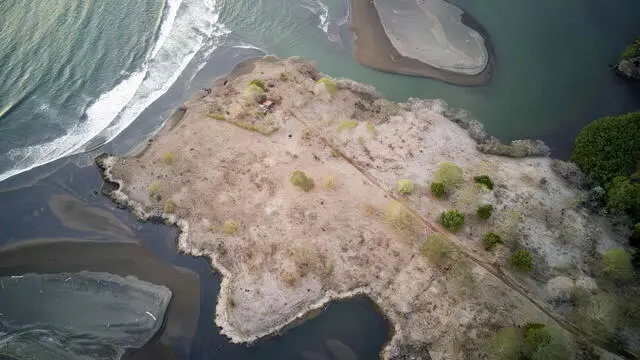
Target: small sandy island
{"x": 302, "y": 203}
{"x": 430, "y": 38}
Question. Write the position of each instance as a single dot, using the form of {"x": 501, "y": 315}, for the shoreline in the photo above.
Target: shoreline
{"x": 373, "y": 48}
{"x": 453, "y": 120}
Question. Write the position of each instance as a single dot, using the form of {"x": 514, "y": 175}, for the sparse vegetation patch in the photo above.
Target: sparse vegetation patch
{"x": 348, "y": 125}
{"x": 331, "y": 86}
{"x": 616, "y": 263}
{"x": 330, "y": 182}
{"x": 169, "y": 207}
{"x": 301, "y": 180}
{"x": 401, "y": 219}
{"x": 449, "y": 174}
{"x": 168, "y": 158}
{"x": 230, "y": 227}
{"x": 437, "y": 250}
{"x": 404, "y": 186}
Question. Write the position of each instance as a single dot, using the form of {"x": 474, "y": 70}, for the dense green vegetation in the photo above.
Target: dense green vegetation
{"x": 608, "y": 151}
{"x": 452, "y": 220}
{"x": 484, "y": 180}
{"x": 522, "y": 260}
{"x": 450, "y": 175}
{"x": 491, "y": 240}
{"x": 437, "y": 189}
{"x": 616, "y": 263}
{"x": 485, "y": 211}
{"x": 632, "y": 50}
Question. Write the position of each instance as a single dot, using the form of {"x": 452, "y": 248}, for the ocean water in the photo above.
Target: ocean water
{"x": 75, "y": 74}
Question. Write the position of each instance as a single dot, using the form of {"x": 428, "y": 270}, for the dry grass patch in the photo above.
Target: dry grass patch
{"x": 330, "y": 182}
{"x": 401, "y": 219}
{"x": 168, "y": 158}
{"x": 437, "y": 250}
{"x": 169, "y": 207}
{"x": 154, "y": 190}
{"x": 348, "y": 125}
{"x": 230, "y": 227}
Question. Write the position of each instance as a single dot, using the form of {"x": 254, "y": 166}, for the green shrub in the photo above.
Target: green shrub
{"x": 348, "y": 125}
{"x": 485, "y": 211}
{"x": 401, "y": 219}
{"x": 404, "y": 186}
{"x": 491, "y": 240}
{"x": 624, "y": 196}
{"x": 300, "y": 179}
{"x": 230, "y": 227}
{"x": 536, "y": 336}
{"x": 449, "y": 174}
{"x": 255, "y": 93}
{"x": 506, "y": 344}
{"x": 437, "y": 189}
{"x": 259, "y": 83}
{"x": 452, "y": 220}
{"x": 632, "y": 50}
{"x": 609, "y": 147}
{"x": 484, "y": 180}
{"x": 522, "y": 259}
{"x": 616, "y": 263}
{"x": 331, "y": 86}
{"x": 437, "y": 250}
{"x": 168, "y": 158}
{"x": 169, "y": 207}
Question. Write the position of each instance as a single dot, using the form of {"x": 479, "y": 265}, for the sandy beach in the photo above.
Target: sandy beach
{"x": 373, "y": 48}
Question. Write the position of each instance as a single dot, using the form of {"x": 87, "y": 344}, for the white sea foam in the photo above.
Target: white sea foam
{"x": 189, "y": 28}
{"x": 318, "y": 8}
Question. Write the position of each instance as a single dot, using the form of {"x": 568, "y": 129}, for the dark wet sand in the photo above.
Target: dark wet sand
{"x": 373, "y": 48}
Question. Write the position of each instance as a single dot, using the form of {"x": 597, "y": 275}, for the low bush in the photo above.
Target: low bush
{"x": 632, "y": 50}
{"x": 347, "y": 125}
{"x": 168, "y": 158}
{"x": 437, "y": 250}
{"x": 485, "y": 211}
{"x": 522, "y": 259}
{"x": 259, "y": 83}
{"x": 230, "y": 227}
{"x": 484, "y": 180}
{"x": 449, "y": 174}
{"x": 506, "y": 344}
{"x": 491, "y": 240}
{"x": 438, "y": 189}
{"x": 536, "y": 335}
{"x": 169, "y": 207}
{"x": 544, "y": 344}
{"x": 401, "y": 219}
{"x": 624, "y": 196}
{"x": 331, "y": 86}
{"x": 404, "y": 186}
{"x": 154, "y": 190}
{"x": 256, "y": 94}
{"x": 616, "y": 263}
{"x": 330, "y": 182}
{"x": 301, "y": 180}
{"x": 452, "y": 220}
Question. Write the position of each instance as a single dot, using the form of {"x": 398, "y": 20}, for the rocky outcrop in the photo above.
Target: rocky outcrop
{"x": 629, "y": 68}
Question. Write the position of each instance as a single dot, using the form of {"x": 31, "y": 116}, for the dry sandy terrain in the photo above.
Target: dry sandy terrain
{"x": 222, "y": 174}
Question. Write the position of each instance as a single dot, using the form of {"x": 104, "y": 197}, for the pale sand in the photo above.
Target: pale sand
{"x": 373, "y": 48}
{"x": 294, "y": 251}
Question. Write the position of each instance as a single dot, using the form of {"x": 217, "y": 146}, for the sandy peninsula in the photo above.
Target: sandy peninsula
{"x": 300, "y": 205}
{"x": 373, "y": 48}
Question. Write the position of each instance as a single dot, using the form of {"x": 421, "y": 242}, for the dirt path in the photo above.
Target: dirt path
{"x": 491, "y": 268}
